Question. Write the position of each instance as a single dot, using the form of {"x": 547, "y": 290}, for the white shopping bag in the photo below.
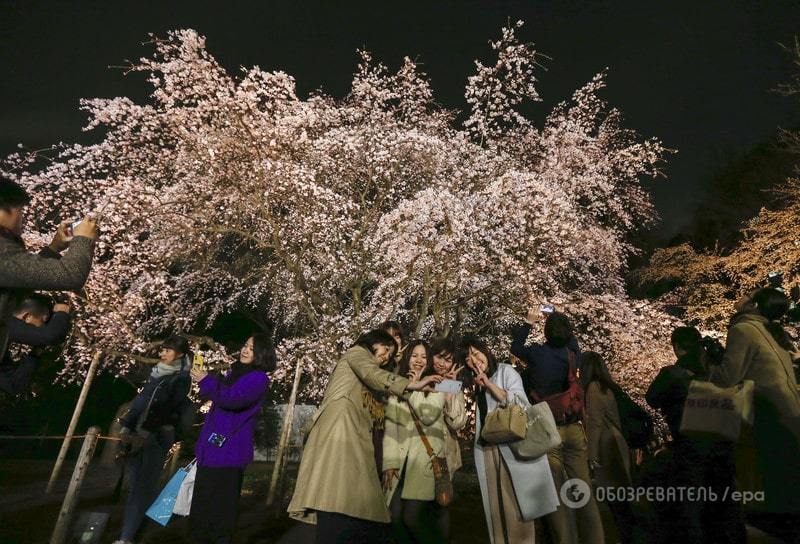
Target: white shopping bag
{"x": 184, "y": 501}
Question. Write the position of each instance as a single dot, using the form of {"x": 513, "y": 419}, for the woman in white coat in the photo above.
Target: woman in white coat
{"x": 514, "y": 492}
{"x": 408, "y": 478}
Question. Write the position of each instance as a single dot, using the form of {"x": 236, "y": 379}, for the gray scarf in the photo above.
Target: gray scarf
{"x": 164, "y": 369}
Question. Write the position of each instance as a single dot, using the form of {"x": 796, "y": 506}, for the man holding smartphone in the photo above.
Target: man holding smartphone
{"x": 22, "y": 271}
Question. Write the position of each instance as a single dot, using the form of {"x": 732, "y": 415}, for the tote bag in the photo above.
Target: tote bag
{"x": 183, "y": 503}
{"x": 161, "y": 510}
{"x": 715, "y": 411}
{"x": 541, "y": 434}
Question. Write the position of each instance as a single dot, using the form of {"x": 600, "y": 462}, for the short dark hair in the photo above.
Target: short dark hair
{"x": 178, "y": 343}
{"x": 405, "y": 362}
{"x": 263, "y": 352}
{"x": 37, "y": 304}
{"x": 472, "y": 341}
{"x": 12, "y": 194}
{"x": 376, "y": 336}
{"x": 686, "y": 339}
{"x": 557, "y": 330}
{"x": 394, "y": 325}
{"x": 771, "y": 303}
{"x": 442, "y": 345}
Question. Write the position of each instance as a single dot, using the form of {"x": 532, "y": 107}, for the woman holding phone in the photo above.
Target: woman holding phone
{"x": 225, "y": 445}
{"x": 408, "y": 478}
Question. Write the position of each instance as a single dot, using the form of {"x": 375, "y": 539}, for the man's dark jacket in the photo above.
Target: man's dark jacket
{"x": 21, "y": 272}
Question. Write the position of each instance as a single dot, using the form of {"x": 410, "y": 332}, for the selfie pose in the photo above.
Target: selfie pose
{"x": 408, "y": 477}
{"x": 225, "y": 446}
{"x": 337, "y": 484}
{"x": 514, "y": 492}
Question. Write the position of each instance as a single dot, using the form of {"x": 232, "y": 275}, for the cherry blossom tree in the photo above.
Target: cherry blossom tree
{"x": 321, "y": 217}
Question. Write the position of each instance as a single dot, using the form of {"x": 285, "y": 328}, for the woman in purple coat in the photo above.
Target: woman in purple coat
{"x": 225, "y": 446}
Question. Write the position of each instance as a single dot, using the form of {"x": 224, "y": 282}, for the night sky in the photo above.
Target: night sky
{"x": 696, "y": 74}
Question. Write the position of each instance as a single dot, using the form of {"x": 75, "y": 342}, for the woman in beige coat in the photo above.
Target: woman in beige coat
{"x": 609, "y": 454}
{"x": 758, "y": 349}
{"x": 337, "y": 483}
{"x": 407, "y": 470}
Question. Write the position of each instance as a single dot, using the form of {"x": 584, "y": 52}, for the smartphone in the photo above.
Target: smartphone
{"x": 547, "y": 308}
{"x": 74, "y": 224}
{"x": 198, "y": 362}
{"x": 448, "y": 386}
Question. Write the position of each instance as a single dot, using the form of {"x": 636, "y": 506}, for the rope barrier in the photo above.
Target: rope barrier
{"x": 53, "y": 437}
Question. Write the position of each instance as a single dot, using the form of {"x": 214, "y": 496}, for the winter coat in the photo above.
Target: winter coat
{"x": 670, "y": 388}
{"x": 532, "y": 480}
{"x": 752, "y": 353}
{"x": 455, "y": 417}
{"x": 233, "y": 415}
{"x": 606, "y": 443}
{"x": 403, "y": 449}
{"x": 162, "y": 404}
{"x": 338, "y": 472}
{"x": 20, "y": 271}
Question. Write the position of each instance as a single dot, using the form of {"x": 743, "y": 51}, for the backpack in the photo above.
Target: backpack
{"x": 636, "y": 423}
{"x": 569, "y": 402}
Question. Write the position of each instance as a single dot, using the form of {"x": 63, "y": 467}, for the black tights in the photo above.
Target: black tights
{"x": 418, "y": 522}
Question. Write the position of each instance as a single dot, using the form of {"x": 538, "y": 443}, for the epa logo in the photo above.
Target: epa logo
{"x": 575, "y": 493}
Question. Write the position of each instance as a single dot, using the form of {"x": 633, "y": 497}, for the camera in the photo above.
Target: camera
{"x": 714, "y": 350}
{"x": 216, "y": 439}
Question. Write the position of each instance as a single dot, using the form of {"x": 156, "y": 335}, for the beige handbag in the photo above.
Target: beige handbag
{"x": 541, "y": 435}
{"x": 505, "y": 425}
{"x": 717, "y": 411}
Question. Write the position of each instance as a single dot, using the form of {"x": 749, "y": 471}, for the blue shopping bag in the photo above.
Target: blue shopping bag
{"x": 161, "y": 510}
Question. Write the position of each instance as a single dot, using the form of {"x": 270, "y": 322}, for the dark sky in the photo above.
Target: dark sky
{"x": 696, "y": 74}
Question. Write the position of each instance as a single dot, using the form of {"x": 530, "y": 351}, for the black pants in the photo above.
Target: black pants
{"x": 16, "y": 378}
{"x": 335, "y": 528}
{"x": 215, "y": 498}
{"x": 418, "y": 522}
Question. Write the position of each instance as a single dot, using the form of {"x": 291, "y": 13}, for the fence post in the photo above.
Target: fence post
{"x": 76, "y": 414}
{"x": 65, "y": 515}
{"x": 286, "y": 432}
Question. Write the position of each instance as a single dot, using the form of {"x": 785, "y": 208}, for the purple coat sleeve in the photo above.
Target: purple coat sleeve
{"x": 239, "y": 395}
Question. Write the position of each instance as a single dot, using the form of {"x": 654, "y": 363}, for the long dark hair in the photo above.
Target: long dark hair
{"x": 773, "y": 304}
{"x": 377, "y": 336}
{"x": 405, "y": 362}
{"x": 264, "y": 358}
{"x": 471, "y": 341}
{"x": 596, "y": 371}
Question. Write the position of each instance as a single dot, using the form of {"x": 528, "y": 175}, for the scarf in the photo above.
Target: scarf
{"x": 238, "y": 369}
{"x": 374, "y": 407}
{"x": 164, "y": 369}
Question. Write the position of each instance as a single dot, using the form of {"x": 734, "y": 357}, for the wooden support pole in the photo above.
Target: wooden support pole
{"x": 286, "y": 432}
{"x": 76, "y": 414}
{"x": 59, "y": 535}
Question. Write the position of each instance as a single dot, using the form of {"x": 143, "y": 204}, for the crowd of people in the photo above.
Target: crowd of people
{"x": 383, "y": 446}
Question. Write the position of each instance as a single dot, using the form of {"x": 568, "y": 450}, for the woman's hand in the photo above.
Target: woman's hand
{"x": 198, "y": 374}
{"x": 389, "y": 476}
{"x": 415, "y": 375}
{"x": 424, "y": 384}
{"x": 452, "y": 374}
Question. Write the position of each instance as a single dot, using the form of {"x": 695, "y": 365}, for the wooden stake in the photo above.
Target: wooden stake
{"x": 76, "y": 414}
{"x": 286, "y": 432}
{"x": 70, "y": 500}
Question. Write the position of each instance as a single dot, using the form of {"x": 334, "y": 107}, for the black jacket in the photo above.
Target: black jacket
{"x": 670, "y": 388}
